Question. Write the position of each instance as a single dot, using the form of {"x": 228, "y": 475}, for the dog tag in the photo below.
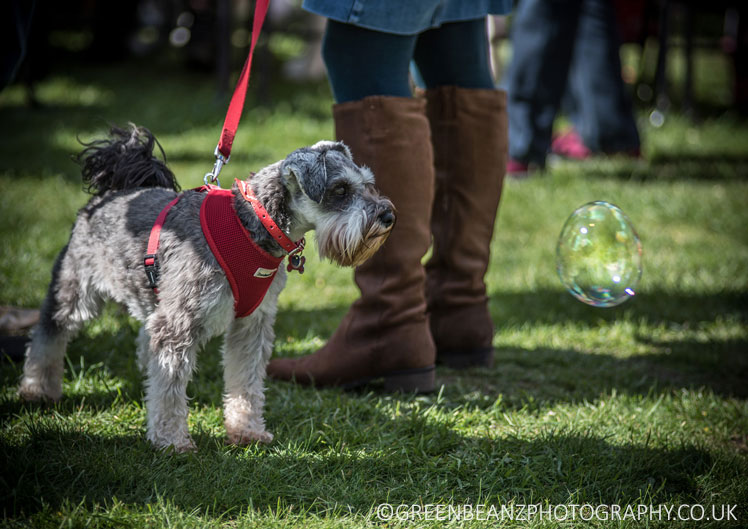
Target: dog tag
{"x": 296, "y": 262}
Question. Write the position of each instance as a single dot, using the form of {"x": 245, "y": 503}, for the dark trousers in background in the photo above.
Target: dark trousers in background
{"x": 567, "y": 47}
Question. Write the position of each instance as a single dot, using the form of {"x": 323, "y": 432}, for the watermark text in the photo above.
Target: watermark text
{"x": 563, "y": 512}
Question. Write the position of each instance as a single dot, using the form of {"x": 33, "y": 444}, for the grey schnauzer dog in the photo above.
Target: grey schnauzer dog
{"x": 315, "y": 188}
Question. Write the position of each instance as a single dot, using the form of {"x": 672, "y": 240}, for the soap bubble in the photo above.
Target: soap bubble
{"x": 599, "y": 255}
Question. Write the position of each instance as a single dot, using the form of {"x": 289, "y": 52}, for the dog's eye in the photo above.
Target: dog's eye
{"x": 340, "y": 190}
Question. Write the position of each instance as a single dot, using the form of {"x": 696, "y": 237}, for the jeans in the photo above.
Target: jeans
{"x": 362, "y": 62}
{"x": 572, "y": 46}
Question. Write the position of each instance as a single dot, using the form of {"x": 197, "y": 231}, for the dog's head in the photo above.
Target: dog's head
{"x": 337, "y": 198}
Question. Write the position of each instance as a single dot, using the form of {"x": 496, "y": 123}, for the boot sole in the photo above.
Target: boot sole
{"x": 421, "y": 380}
{"x": 465, "y": 358}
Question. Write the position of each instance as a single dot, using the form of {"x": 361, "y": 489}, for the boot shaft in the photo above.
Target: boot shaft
{"x": 391, "y": 135}
{"x": 469, "y": 135}
{"x": 385, "y": 334}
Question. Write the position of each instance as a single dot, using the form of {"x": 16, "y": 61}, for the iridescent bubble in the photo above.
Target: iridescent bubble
{"x": 599, "y": 255}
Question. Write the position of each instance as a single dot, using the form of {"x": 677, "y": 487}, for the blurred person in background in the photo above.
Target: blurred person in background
{"x": 566, "y": 47}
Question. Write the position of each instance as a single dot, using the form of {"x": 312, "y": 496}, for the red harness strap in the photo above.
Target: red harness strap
{"x": 151, "y": 259}
{"x": 151, "y": 266}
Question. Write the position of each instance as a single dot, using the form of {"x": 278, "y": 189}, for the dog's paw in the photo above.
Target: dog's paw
{"x": 32, "y": 390}
{"x": 180, "y": 447}
{"x": 246, "y": 437}
{"x": 185, "y": 447}
{"x": 178, "y": 443}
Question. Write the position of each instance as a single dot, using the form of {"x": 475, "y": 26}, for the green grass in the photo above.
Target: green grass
{"x": 644, "y": 403}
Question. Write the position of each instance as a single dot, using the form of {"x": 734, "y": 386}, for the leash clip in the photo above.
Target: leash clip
{"x": 212, "y": 176}
{"x": 151, "y": 270}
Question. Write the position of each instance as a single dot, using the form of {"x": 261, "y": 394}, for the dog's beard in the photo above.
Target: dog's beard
{"x": 352, "y": 242}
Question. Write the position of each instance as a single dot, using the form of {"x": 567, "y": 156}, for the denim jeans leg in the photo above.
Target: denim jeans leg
{"x": 543, "y": 37}
{"x": 602, "y": 109}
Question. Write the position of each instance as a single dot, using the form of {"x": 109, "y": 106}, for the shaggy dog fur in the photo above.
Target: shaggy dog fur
{"x": 317, "y": 187}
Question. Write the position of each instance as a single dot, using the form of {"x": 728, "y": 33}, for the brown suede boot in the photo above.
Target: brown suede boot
{"x": 469, "y": 135}
{"x": 385, "y": 335}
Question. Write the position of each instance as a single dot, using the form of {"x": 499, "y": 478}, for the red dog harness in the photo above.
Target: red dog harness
{"x": 249, "y": 269}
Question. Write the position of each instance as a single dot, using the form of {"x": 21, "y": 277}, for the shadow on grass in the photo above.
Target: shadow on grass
{"x": 687, "y": 157}
{"x": 351, "y": 467}
{"x": 550, "y": 375}
{"x": 532, "y": 378}
{"x": 714, "y": 167}
{"x": 667, "y": 166}
{"x": 551, "y": 307}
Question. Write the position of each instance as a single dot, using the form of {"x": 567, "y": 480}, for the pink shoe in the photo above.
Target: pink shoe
{"x": 570, "y": 145}
{"x": 517, "y": 169}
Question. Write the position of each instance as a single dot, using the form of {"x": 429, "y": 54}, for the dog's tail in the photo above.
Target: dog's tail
{"x": 125, "y": 160}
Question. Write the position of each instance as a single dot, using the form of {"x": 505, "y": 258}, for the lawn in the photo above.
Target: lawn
{"x": 637, "y": 405}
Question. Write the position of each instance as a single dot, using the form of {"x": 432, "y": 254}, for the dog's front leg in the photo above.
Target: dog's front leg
{"x": 246, "y": 350}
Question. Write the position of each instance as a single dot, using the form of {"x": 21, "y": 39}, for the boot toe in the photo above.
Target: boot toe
{"x": 286, "y": 369}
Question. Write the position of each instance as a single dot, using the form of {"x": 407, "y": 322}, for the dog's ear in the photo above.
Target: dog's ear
{"x": 307, "y": 167}
{"x": 339, "y": 146}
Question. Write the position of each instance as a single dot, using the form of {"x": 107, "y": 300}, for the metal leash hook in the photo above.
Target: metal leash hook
{"x": 211, "y": 178}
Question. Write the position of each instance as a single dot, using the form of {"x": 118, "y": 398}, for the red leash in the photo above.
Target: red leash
{"x": 223, "y": 149}
{"x": 222, "y": 154}
{"x": 234, "y": 113}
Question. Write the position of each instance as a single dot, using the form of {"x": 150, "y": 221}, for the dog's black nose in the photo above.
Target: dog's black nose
{"x": 387, "y": 218}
